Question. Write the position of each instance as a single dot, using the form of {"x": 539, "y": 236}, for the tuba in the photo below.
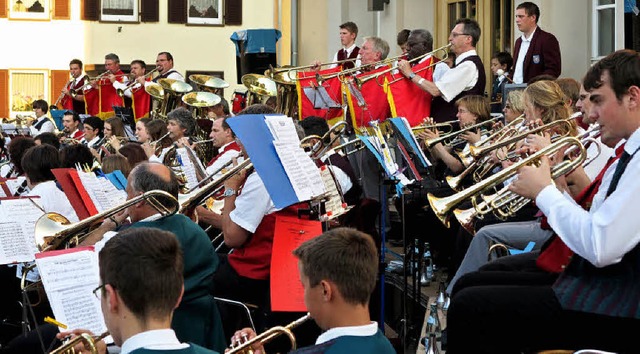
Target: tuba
{"x": 53, "y": 231}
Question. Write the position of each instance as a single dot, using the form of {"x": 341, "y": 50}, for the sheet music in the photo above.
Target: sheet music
{"x": 2, "y": 192}
{"x": 102, "y": 192}
{"x": 69, "y": 278}
{"x": 283, "y": 129}
{"x": 17, "y": 229}
{"x": 294, "y": 168}
{"x": 188, "y": 167}
{"x": 334, "y": 205}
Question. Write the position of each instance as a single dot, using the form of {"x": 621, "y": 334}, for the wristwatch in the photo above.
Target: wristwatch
{"x": 412, "y": 75}
{"x": 228, "y": 192}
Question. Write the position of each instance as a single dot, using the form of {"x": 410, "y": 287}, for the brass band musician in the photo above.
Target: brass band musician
{"x": 74, "y": 102}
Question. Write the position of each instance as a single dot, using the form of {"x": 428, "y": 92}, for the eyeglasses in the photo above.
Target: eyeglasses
{"x": 463, "y": 111}
{"x": 455, "y": 34}
{"x": 95, "y": 291}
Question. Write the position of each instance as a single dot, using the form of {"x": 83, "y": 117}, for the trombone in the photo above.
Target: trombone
{"x": 55, "y": 105}
{"x": 272, "y": 72}
{"x": 321, "y": 146}
{"x": 362, "y": 80}
{"x": 269, "y": 335}
{"x": 75, "y": 92}
{"x": 448, "y": 125}
{"x": 133, "y": 82}
{"x": 505, "y": 198}
{"x": 53, "y": 231}
{"x": 452, "y": 138}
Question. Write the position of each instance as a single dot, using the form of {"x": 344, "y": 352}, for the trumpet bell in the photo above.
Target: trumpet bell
{"x": 155, "y": 90}
{"x": 47, "y": 226}
{"x": 175, "y": 85}
{"x": 259, "y": 84}
{"x": 208, "y": 81}
{"x": 201, "y": 99}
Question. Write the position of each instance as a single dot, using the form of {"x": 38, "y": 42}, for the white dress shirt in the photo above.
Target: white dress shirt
{"x": 611, "y": 228}
{"x": 47, "y": 127}
{"x": 52, "y": 199}
{"x": 460, "y": 78}
{"x": 159, "y": 339}
{"x": 92, "y": 142}
{"x": 349, "y": 51}
{"x": 518, "y": 72}
{"x": 252, "y": 204}
{"x": 357, "y": 331}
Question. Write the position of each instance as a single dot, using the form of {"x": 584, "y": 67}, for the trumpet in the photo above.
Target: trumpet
{"x": 53, "y": 231}
{"x": 453, "y": 138}
{"x": 133, "y": 82}
{"x": 88, "y": 341}
{"x": 446, "y": 125}
{"x": 55, "y": 105}
{"x": 362, "y": 80}
{"x": 269, "y": 335}
{"x": 442, "y": 206}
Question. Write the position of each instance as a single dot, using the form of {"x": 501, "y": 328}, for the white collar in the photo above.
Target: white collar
{"x": 151, "y": 218}
{"x": 77, "y": 79}
{"x": 351, "y": 48}
{"x": 633, "y": 143}
{"x": 465, "y": 55}
{"x": 358, "y": 331}
{"x": 159, "y": 339}
{"x": 525, "y": 39}
{"x": 225, "y": 145}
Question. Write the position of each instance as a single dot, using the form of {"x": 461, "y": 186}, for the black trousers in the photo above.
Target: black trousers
{"x": 505, "y": 308}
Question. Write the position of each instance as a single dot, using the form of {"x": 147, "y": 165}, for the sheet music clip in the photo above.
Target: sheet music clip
{"x": 357, "y": 94}
{"x": 320, "y": 97}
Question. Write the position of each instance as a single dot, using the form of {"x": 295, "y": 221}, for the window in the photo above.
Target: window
{"x": 29, "y": 9}
{"x": 608, "y": 27}
{"x": 25, "y": 87}
{"x": 119, "y": 10}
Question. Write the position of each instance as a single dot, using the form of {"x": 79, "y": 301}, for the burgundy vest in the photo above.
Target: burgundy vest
{"x": 342, "y": 56}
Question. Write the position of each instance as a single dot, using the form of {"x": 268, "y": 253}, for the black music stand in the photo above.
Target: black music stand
{"x": 126, "y": 116}
{"x": 320, "y": 98}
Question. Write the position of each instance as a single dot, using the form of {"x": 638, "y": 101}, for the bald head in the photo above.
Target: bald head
{"x": 149, "y": 176}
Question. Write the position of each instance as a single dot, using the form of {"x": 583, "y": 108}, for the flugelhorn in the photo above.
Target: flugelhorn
{"x": 87, "y": 340}
{"x": 442, "y": 206}
{"x": 362, "y": 80}
{"x": 269, "y": 335}
{"x": 53, "y": 231}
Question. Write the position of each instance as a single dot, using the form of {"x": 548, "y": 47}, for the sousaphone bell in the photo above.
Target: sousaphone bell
{"x": 173, "y": 90}
{"x": 260, "y": 88}
{"x": 209, "y": 83}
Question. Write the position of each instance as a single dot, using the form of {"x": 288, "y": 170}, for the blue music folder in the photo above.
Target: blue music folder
{"x": 405, "y": 133}
{"x": 117, "y": 179}
{"x": 257, "y": 139}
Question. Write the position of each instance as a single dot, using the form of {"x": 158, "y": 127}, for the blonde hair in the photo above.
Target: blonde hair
{"x": 515, "y": 99}
{"x": 476, "y": 105}
{"x": 548, "y": 97}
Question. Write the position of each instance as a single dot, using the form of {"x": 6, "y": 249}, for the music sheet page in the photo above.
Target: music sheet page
{"x": 283, "y": 129}
{"x": 17, "y": 229}
{"x": 101, "y": 191}
{"x": 69, "y": 278}
{"x": 187, "y": 167}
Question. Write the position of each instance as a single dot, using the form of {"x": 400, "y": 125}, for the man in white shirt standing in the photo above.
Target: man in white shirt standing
{"x": 536, "y": 52}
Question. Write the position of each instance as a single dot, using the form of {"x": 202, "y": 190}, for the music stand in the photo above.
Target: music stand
{"x": 320, "y": 98}
{"x": 126, "y": 116}
{"x": 508, "y": 87}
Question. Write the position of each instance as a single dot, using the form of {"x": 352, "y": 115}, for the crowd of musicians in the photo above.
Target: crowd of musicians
{"x": 547, "y": 168}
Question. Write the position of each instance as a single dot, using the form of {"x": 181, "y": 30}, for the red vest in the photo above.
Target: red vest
{"x": 375, "y": 97}
{"x": 100, "y": 101}
{"x": 67, "y": 101}
{"x": 253, "y": 259}
{"x": 556, "y": 256}
{"x": 229, "y": 147}
{"x": 140, "y": 102}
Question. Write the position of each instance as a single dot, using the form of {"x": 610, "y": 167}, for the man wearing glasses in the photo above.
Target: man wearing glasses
{"x": 467, "y": 77}
{"x": 164, "y": 62}
{"x": 93, "y": 127}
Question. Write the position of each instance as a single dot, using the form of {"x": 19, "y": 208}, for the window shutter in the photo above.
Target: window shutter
{"x": 177, "y": 11}
{"x": 3, "y": 9}
{"x": 59, "y": 78}
{"x": 150, "y": 11}
{"x": 90, "y": 10}
{"x": 4, "y": 93}
{"x": 61, "y": 10}
{"x": 233, "y": 12}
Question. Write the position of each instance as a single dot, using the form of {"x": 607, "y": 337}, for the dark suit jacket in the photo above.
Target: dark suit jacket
{"x": 543, "y": 56}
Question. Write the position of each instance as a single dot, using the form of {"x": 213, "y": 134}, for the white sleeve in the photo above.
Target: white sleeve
{"x": 440, "y": 69}
{"x": 458, "y": 79}
{"x": 343, "y": 179}
{"x": 252, "y": 204}
{"x": 221, "y": 161}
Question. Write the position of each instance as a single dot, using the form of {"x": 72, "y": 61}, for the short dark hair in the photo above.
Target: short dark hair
{"x": 144, "y": 265}
{"x": 95, "y": 123}
{"x": 134, "y": 153}
{"x": 504, "y": 58}
{"x": 167, "y": 54}
{"x": 257, "y": 108}
{"x": 42, "y": 104}
{"x": 139, "y": 62}
{"x": 402, "y": 36}
{"x": 225, "y": 125}
{"x": 350, "y": 26}
{"x": 76, "y": 154}
{"x": 314, "y": 125}
{"x": 144, "y": 180}
{"x": 76, "y": 116}
{"x": 184, "y": 118}
{"x": 472, "y": 28}
{"x": 571, "y": 89}
{"x": 38, "y": 161}
{"x": 117, "y": 127}
{"x": 76, "y": 61}
{"x": 623, "y": 67}
{"x": 48, "y": 138}
{"x": 17, "y": 147}
{"x": 530, "y": 9}
{"x": 344, "y": 256}
{"x": 156, "y": 129}
{"x": 112, "y": 56}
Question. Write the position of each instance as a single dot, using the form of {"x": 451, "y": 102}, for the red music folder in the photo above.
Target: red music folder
{"x": 73, "y": 189}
